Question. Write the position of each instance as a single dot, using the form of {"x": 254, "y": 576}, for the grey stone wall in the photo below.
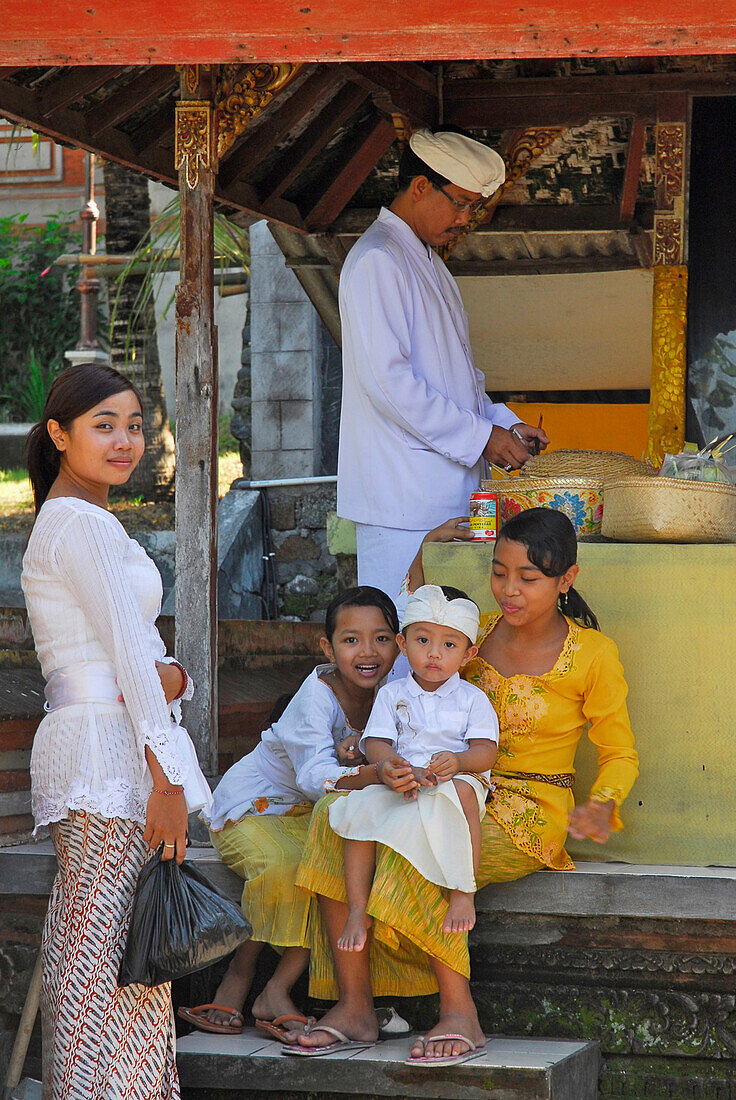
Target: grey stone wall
{"x": 285, "y": 350}
{"x": 305, "y": 570}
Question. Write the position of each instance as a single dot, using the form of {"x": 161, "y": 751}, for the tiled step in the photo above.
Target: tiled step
{"x": 509, "y": 1069}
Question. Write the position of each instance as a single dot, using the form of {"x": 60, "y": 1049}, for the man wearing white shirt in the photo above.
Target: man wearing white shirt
{"x": 416, "y": 424}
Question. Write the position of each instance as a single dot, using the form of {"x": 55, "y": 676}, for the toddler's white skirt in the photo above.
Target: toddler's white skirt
{"x": 431, "y": 831}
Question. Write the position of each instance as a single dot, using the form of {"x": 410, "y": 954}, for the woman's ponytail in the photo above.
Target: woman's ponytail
{"x": 574, "y": 606}
{"x": 74, "y": 392}
{"x": 43, "y": 461}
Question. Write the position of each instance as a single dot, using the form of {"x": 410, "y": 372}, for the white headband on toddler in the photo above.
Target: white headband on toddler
{"x": 429, "y": 604}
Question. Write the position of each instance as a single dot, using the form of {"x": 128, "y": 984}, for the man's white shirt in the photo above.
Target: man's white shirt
{"x": 415, "y": 416}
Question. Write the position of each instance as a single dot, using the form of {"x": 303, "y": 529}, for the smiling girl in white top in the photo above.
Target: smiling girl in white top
{"x": 260, "y": 815}
{"x": 112, "y": 772}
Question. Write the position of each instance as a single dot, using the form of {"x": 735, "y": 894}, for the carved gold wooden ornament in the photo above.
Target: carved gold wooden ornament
{"x": 666, "y": 427}
{"x": 243, "y": 93}
{"x": 527, "y": 146}
{"x": 193, "y": 142}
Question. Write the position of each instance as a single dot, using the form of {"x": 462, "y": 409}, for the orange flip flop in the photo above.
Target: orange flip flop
{"x": 275, "y": 1029}
{"x": 195, "y": 1017}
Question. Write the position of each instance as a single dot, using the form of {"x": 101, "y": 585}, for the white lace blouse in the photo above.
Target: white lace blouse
{"x": 93, "y": 596}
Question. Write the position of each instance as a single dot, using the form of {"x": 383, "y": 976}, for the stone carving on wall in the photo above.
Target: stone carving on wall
{"x": 624, "y": 1021}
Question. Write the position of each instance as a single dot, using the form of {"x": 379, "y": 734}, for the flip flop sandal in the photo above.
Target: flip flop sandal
{"x": 342, "y": 1043}
{"x": 195, "y": 1017}
{"x": 275, "y": 1029}
{"x": 473, "y": 1051}
{"x": 390, "y": 1023}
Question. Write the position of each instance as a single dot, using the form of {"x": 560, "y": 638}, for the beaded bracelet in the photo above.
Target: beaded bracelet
{"x": 157, "y": 790}
{"x": 184, "y": 676}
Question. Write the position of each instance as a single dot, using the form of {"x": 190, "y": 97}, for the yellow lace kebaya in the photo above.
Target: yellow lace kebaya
{"x": 542, "y": 719}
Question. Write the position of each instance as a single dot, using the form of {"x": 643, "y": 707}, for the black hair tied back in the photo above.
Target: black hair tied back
{"x": 551, "y": 545}
{"x": 76, "y": 390}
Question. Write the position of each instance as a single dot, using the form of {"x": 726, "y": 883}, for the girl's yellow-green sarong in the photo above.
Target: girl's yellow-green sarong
{"x": 266, "y": 851}
{"x": 407, "y": 910}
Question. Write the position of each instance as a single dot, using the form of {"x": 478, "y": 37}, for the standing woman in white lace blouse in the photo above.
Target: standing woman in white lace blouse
{"x": 113, "y": 773}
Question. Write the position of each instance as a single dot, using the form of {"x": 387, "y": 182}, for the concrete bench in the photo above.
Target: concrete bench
{"x": 509, "y": 1069}
{"x": 593, "y": 890}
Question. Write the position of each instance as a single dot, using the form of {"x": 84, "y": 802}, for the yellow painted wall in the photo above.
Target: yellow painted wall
{"x": 596, "y": 427}
{"x": 671, "y": 610}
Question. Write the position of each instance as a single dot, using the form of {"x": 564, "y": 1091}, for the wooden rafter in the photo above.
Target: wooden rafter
{"x": 281, "y": 120}
{"x": 26, "y": 106}
{"x": 692, "y": 82}
{"x": 522, "y": 218}
{"x": 307, "y": 146}
{"x": 634, "y": 156}
{"x": 524, "y": 112}
{"x": 75, "y": 84}
{"x": 405, "y": 89}
{"x": 141, "y": 90}
{"x": 44, "y": 32}
{"x": 150, "y": 133}
{"x": 370, "y": 143}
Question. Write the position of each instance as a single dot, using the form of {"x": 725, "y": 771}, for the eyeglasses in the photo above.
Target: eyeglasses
{"x": 462, "y": 207}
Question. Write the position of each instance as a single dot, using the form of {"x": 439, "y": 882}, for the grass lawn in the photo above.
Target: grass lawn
{"x": 16, "y": 498}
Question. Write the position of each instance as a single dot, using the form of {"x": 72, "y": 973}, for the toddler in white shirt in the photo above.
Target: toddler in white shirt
{"x": 432, "y": 739}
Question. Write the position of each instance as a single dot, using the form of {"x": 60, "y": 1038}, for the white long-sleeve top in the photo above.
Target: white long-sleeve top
{"x": 93, "y": 596}
{"x": 294, "y": 762}
{"x": 415, "y": 416}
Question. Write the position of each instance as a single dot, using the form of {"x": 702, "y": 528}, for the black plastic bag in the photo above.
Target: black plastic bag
{"x": 180, "y": 923}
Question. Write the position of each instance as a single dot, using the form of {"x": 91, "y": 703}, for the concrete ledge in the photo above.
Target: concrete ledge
{"x": 593, "y": 890}
{"x": 510, "y": 1069}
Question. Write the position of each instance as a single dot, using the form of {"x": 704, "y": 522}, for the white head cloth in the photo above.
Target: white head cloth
{"x": 462, "y": 160}
{"x": 429, "y": 604}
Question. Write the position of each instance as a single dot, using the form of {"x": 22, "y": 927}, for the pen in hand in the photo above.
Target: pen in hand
{"x": 535, "y": 442}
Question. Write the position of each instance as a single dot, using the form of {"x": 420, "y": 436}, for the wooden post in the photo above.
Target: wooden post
{"x": 196, "y": 412}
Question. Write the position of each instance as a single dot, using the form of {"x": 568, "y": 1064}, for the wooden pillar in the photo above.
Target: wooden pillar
{"x": 666, "y": 429}
{"x": 196, "y": 411}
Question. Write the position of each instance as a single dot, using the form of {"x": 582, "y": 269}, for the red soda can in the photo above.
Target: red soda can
{"x": 484, "y": 511}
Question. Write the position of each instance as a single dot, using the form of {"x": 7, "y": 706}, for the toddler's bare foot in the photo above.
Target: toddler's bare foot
{"x": 355, "y": 932}
{"x": 460, "y": 915}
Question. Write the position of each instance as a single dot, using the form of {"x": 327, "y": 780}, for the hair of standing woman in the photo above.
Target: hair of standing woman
{"x": 74, "y": 392}
{"x": 551, "y": 545}
{"x": 362, "y": 596}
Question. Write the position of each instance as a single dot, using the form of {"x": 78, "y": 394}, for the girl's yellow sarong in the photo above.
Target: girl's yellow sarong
{"x": 407, "y": 910}
{"x": 266, "y": 851}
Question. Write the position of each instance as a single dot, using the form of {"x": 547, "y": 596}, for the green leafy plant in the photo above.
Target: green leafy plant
{"x": 158, "y": 252}
{"x": 40, "y": 306}
{"x": 28, "y": 391}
